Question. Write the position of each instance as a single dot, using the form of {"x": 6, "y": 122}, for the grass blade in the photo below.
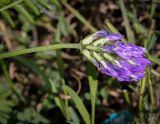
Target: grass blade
{"x": 79, "y": 104}
{"x": 150, "y": 89}
{"x": 61, "y": 63}
{"x": 74, "y": 116}
{"x": 141, "y": 93}
{"x": 154, "y": 59}
{"x": 130, "y": 35}
{"x": 57, "y": 100}
{"x": 11, "y": 5}
{"x": 93, "y": 84}
{"x": 79, "y": 16}
{"x": 31, "y": 5}
{"x": 44, "y": 3}
{"x": 6, "y": 15}
{"x": 24, "y": 12}
{"x": 151, "y": 41}
{"x": 58, "y": 52}
{"x": 10, "y": 82}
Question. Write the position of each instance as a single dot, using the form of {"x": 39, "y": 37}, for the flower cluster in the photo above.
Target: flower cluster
{"x": 124, "y": 61}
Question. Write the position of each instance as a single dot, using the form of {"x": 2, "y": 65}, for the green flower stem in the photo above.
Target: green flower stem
{"x": 39, "y": 49}
{"x": 150, "y": 89}
{"x": 142, "y": 89}
{"x": 126, "y": 96}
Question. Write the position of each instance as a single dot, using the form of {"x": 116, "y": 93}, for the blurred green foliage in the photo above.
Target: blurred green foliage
{"x": 41, "y": 87}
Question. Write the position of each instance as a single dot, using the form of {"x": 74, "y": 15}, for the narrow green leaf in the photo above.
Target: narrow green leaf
{"x": 6, "y": 15}
{"x": 129, "y": 32}
{"x": 126, "y": 96}
{"x": 74, "y": 116}
{"x": 111, "y": 27}
{"x": 61, "y": 63}
{"x": 63, "y": 26}
{"x": 23, "y": 11}
{"x": 58, "y": 52}
{"x": 154, "y": 59}
{"x": 56, "y": 2}
{"x": 93, "y": 84}
{"x": 9, "y": 81}
{"x": 44, "y": 3}
{"x": 4, "y": 3}
{"x": 153, "y": 9}
{"x": 57, "y": 100}
{"x": 152, "y": 106}
{"x": 10, "y": 5}
{"x": 31, "y": 5}
{"x": 138, "y": 27}
{"x": 79, "y": 104}
{"x": 141, "y": 93}
{"x": 152, "y": 41}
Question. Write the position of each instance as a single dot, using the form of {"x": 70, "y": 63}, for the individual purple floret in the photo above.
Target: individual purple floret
{"x": 130, "y": 57}
{"x": 126, "y": 50}
{"x": 110, "y": 36}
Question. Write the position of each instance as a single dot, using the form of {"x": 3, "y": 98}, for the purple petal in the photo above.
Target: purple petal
{"x": 142, "y": 61}
{"x": 126, "y": 50}
{"x": 114, "y": 36}
{"x": 108, "y": 70}
{"x": 137, "y": 76}
{"x": 101, "y": 34}
{"x": 110, "y": 36}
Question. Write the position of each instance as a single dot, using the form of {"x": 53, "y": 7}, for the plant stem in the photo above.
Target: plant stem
{"x": 150, "y": 89}
{"x": 129, "y": 31}
{"x": 142, "y": 89}
{"x": 93, "y": 85}
{"x": 126, "y": 96}
{"x": 39, "y": 49}
{"x": 153, "y": 9}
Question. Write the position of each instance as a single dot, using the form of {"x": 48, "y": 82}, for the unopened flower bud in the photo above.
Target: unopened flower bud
{"x": 89, "y": 39}
{"x": 87, "y": 54}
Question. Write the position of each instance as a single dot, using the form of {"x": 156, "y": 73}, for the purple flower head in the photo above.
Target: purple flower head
{"x": 127, "y": 53}
{"x": 124, "y": 61}
{"x": 110, "y": 36}
{"x": 131, "y": 58}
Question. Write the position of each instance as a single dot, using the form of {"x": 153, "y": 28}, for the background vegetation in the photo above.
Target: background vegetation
{"x": 53, "y": 87}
